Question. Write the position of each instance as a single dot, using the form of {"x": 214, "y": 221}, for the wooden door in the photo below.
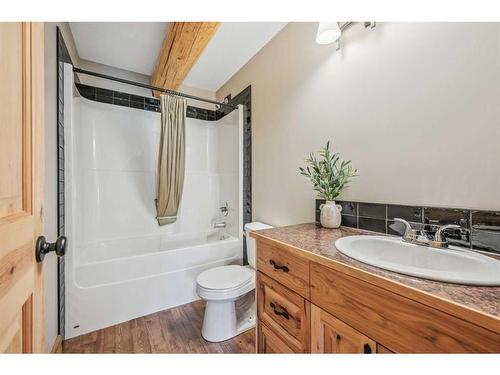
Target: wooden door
{"x": 21, "y": 186}
{"x": 330, "y": 335}
{"x": 381, "y": 349}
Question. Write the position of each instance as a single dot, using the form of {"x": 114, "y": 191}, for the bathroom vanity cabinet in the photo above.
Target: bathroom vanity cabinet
{"x": 310, "y": 303}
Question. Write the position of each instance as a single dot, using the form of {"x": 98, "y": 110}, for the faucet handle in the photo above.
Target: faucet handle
{"x": 439, "y": 236}
{"x": 408, "y": 228}
{"x": 224, "y": 209}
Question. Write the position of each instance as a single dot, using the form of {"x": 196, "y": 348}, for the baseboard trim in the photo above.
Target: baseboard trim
{"x": 57, "y": 347}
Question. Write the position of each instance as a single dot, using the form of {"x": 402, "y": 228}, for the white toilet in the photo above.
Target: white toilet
{"x": 230, "y": 296}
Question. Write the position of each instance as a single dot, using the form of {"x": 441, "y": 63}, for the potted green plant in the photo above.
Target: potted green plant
{"x": 329, "y": 174}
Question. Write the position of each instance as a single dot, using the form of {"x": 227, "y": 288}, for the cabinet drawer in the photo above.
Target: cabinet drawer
{"x": 281, "y": 265}
{"x": 269, "y": 342}
{"x": 286, "y": 313}
{"x": 330, "y": 335}
{"x": 396, "y": 322}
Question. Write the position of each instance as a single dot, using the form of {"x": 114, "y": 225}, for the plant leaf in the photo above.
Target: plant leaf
{"x": 328, "y": 173}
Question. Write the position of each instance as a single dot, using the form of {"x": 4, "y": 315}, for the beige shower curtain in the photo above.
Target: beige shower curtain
{"x": 171, "y": 158}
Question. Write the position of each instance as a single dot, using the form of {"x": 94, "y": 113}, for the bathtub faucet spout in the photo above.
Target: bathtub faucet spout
{"x": 221, "y": 224}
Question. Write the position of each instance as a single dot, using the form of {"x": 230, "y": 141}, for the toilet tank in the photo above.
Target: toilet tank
{"x": 251, "y": 242}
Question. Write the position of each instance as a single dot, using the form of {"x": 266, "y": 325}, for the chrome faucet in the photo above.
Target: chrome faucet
{"x": 412, "y": 235}
{"x": 220, "y": 224}
{"x": 420, "y": 237}
{"x": 439, "y": 236}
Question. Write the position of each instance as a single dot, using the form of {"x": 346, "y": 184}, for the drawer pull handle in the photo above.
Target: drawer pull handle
{"x": 278, "y": 310}
{"x": 276, "y": 266}
{"x": 367, "y": 349}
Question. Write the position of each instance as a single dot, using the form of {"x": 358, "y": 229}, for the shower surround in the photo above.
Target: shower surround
{"x": 120, "y": 264}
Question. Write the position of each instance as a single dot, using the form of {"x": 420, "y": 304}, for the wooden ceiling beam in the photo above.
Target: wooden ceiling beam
{"x": 182, "y": 46}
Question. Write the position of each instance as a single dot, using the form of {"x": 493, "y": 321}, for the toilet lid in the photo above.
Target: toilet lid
{"x": 225, "y": 277}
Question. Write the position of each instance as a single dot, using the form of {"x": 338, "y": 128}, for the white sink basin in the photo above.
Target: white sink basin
{"x": 453, "y": 265}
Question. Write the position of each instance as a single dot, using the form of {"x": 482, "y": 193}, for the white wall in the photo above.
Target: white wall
{"x": 414, "y": 105}
{"x": 50, "y": 209}
{"x": 115, "y": 72}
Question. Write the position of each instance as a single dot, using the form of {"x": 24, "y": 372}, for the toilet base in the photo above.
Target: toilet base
{"x": 224, "y": 320}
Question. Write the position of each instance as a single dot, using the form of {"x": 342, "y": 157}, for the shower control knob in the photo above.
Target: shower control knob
{"x": 43, "y": 247}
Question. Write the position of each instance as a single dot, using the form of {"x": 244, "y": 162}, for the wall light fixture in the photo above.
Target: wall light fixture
{"x": 331, "y": 32}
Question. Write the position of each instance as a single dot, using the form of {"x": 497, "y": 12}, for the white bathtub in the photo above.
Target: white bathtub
{"x": 122, "y": 280}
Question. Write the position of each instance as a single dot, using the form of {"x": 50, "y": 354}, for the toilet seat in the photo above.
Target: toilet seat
{"x": 224, "y": 277}
{"x": 225, "y": 282}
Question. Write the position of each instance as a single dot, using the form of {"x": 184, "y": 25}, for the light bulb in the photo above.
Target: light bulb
{"x": 328, "y": 32}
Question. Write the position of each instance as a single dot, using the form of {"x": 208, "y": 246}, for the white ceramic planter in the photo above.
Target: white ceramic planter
{"x": 330, "y": 214}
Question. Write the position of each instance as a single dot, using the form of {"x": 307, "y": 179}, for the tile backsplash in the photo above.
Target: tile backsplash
{"x": 485, "y": 229}
{"x": 139, "y": 102}
{"x": 480, "y": 230}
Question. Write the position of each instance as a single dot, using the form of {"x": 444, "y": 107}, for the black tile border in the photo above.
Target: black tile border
{"x": 373, "y": 224}
{"x": 409, "y": 213}
{"x": 145, "y": 103}
{"x": 485, "y": 230}
{"x": 480, "y": 230}
{"x": 372, "y": 210}
{"x": 62, "y": 56}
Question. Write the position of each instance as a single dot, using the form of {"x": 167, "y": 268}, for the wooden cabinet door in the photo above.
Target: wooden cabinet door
{"x": 21, "y": 186}
{"x": 397, "y": 322}
{"x": 330, "y": 335}
{"x": 270, "y": 343}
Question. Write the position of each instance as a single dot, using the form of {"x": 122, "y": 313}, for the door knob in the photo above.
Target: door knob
{"x": 43, "y": 247}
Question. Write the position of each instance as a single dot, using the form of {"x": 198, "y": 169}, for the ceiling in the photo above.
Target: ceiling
{"x": 127, "y": 45}
{"x": 134, "y": 46}
{"x": 229, "y": 50}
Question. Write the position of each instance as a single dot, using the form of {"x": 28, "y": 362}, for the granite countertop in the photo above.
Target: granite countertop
{"x": 321, "y": 241}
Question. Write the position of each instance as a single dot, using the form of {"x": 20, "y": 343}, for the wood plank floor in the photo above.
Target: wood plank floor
{"x": 176, "y": 330}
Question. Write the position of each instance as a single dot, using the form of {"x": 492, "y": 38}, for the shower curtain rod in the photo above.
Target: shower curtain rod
{"x": 126, "y": 81}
